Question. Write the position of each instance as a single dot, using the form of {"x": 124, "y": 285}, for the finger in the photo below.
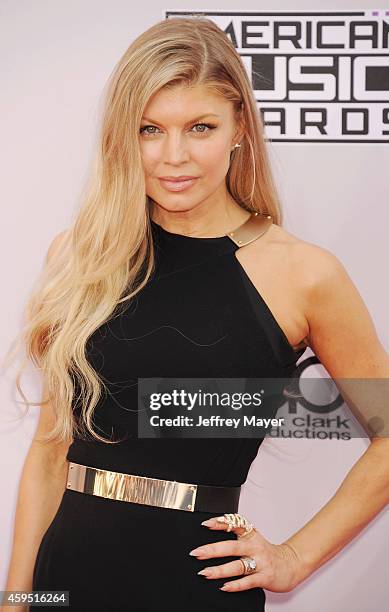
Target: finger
{"x": 242, "y": 584}
{"x": 219, "y": 523}
{"x": 213, "y": 523}
{"x": 226, "y": 548}
{"x": 226, "y": 570}
{"x": 246, "y": 536}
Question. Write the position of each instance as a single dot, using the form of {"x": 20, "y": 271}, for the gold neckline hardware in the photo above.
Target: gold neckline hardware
{"x": 250, "y": 230}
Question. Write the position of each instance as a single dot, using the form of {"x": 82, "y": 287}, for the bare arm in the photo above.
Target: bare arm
{"x": 343, "y": 337}
{"x": 41, "y": 487}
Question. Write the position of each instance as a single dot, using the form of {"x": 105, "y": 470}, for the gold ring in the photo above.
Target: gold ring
{"x": 249, "y": 565}
{"x": 237, "y": 520}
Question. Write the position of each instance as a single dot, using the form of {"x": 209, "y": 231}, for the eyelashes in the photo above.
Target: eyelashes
{"x": 209, "y": 126}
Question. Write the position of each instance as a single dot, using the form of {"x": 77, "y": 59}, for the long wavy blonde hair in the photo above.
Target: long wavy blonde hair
{"x": 107, "y": 256}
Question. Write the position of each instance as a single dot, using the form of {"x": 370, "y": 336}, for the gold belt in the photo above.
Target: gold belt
{"x": 151, "y": 491}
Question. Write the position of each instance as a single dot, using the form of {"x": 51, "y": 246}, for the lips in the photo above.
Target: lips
{"x": 177, "y": 184}
{"x": 176, "y": 178}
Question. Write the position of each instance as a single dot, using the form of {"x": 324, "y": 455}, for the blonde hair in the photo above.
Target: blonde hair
{"x": 107, "y": 255}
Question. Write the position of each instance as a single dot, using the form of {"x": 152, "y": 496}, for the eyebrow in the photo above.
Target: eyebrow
{"x": 191, "y": 121}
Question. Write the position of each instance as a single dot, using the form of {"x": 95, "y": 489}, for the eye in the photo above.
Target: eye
{"x": 143, "y": 130}
{"x": 208, "y": 126}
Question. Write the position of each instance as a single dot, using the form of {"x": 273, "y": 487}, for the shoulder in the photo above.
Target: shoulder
{"x": 56, "y": 244}
{"x": 342, "y": 333}
{"x": 311, "y": 265}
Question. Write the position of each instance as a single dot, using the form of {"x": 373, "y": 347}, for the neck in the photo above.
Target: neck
{"x": 202, "y": 222}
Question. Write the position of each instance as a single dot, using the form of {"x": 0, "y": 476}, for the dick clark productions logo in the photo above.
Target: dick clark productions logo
{"x": 316, "y": 76}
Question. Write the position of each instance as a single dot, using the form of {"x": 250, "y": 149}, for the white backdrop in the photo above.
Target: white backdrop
{"x": 55, "y": 60}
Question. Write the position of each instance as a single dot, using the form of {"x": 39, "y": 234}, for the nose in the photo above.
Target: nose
{"x": 176, "y": 150}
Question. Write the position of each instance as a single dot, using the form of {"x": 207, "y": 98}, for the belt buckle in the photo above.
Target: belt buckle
{"x": 183, "y": 496}
{"x": 162, "y": 493}
{"x": 132, "y": 488}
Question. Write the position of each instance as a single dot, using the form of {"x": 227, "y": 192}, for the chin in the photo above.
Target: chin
{"x": 177, "y": 208}
{"x": 176, "y": 204}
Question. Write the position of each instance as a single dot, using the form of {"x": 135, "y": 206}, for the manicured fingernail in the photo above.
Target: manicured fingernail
{"x": 205, "y": 572}
{"x": 221, "y": 519}
{"x": 197, "y": 551}
{"x": 224, "y": 588}
{"x": 208, "y": 523}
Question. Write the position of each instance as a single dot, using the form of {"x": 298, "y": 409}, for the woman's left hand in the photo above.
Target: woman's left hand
{"x": 278, "y": 568}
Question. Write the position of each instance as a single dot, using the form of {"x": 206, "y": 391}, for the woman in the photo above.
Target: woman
{"x": 177, "y": 266}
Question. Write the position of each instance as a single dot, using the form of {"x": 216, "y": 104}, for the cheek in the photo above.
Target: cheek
{"x": 212, "y": 158}
{"x": 150, "y": 158}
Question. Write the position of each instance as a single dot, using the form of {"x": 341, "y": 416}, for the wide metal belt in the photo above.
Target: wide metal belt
{"x": 152, "y": 491}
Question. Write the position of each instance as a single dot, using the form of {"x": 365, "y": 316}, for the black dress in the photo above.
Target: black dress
{"x": 199, "y": 316}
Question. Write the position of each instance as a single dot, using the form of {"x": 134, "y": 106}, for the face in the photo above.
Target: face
{"x": 187, "y": 132}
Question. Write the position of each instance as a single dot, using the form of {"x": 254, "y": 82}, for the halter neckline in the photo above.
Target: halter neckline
{"x": 211, "y": 239}
{"x": 184, "y": 237}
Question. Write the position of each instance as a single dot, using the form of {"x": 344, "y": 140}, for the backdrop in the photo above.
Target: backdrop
{"x": 324, "y": 92}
